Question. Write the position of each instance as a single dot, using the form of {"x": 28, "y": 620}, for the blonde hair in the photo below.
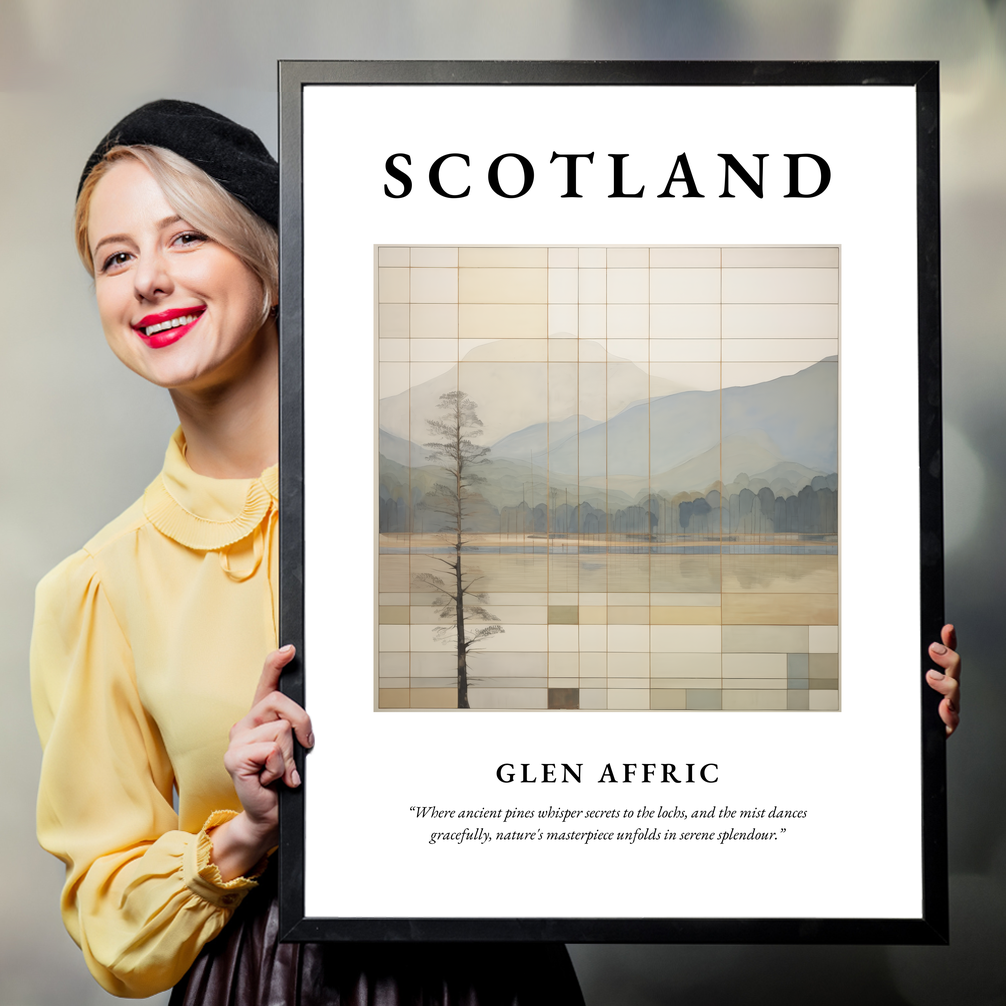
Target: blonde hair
{"x": 199, "y": 200}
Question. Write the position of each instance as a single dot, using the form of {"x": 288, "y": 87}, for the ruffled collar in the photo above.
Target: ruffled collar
{"x": 203, "y": 513}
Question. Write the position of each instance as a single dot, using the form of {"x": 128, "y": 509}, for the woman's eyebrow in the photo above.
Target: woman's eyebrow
{"x": 160, "y": 225}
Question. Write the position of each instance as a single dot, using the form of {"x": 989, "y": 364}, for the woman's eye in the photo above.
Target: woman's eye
{"x": 190, "y": 238}
{"x": 114, "y": 261}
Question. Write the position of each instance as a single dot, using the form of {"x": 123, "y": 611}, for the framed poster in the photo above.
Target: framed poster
{"x": 611, "y": 501}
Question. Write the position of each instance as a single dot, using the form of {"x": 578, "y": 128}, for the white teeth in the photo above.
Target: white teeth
{"x": 173, "y": 323}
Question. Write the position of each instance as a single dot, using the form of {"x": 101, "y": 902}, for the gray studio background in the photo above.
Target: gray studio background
{"x": 82, "y": 436}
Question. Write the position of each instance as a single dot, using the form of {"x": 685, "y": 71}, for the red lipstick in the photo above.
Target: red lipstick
{"x": 166, "y": 327}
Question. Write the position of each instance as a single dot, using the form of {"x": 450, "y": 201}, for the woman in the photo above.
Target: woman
{"x": 149, "y": 642}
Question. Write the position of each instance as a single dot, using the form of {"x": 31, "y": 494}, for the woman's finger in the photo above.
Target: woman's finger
{"x": 261, "y": 760}
{"x": 277, "y": 706}
{"x": 278, "y": 732}
{"x": 271, "y": 671}
{"x": 949, "y": 636}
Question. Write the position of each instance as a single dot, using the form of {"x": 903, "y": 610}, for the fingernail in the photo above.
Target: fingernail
{"x": 938, "y": 648}
{"x": 310, "y": 740}
{"x": 936, "y": 675}
{"x": 287, "y": 649}
{"x": 295, "y": 777}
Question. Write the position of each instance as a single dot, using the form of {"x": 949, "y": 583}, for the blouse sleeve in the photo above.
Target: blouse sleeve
{"x": 141, "y": 898}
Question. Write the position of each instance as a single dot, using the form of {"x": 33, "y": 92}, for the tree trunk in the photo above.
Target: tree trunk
{"x": 459, "y": 589}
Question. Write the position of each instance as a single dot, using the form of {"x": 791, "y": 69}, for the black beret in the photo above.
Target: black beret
{"x": 230, "y": 154}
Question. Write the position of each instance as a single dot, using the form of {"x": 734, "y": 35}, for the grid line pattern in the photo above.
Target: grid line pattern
{"x": 657, "y": 528}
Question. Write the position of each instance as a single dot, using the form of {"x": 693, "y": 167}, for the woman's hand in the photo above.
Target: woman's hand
{"x": 260, "y": 753}
{"x": 947, "y": 682}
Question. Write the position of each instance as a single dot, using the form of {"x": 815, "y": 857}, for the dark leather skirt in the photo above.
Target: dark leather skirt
{"x": 246, "y": 965}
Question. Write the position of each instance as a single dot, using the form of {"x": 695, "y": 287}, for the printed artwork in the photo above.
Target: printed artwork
{"x": 608, "y": 478}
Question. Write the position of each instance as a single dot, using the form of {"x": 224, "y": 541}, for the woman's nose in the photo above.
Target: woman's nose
{"x": 152, "y": 277}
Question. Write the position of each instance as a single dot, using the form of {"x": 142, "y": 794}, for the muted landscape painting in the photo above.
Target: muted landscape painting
{"x": 608, "y": 478}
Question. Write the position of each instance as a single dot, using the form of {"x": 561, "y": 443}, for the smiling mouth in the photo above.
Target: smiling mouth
{"x": 185, "y": 319}
{"x": 166, "y": 322}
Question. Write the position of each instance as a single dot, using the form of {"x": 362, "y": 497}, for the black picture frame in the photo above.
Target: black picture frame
{"x": 931, "y": 927}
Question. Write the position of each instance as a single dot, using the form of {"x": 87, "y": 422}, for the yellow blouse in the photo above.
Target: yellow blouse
{"x": 147, "y": 647}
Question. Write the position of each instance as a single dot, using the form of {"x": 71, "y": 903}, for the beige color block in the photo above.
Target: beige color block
{"x": 809, "y": 350}
{"x": 627, "y": 321}
{"x": 593, "y": 258}
{"x": 503, "y": 257}
{"x": 825, "y": 701}
{"x": 685, "y": 682}
{"x": 685, "y": 350}
{"x": 780, "y": 321}
{"x": 393, "y": 350}
{"x": 754, "y": 665}
{"x": 435, "y": 698}
{"x": 393, "y": 665}
{"x": 628, "y": 615}
{"x": 684, "y": 321}
{"x": 592, "y": 320}
{"x": 678, "y": 600}
{"x": 433, "y": 350}
{"x": 563, "y": 665}
{"x": 628, "y": 698}
{"x": 393, "y": 321}
{"x": 764, "y": 638}
{"x": 393, "y": 637}
{"x": 628, "y": 258}
{"x": 823, "y": 639}
{"x": 781, "y": 258}
{"x": 393, "y": 286}
{"x": 563, "y": 286}
{"x": 688, "y": 615}
{"x": 503, "y": 286}
{"x": 434, "y": 286}
{"x": 393, "y": 698}
{"x": 563, "y": 597}
{"x": 685, "y": 638}
{"x": 507, "y": 698}
{"x": 593, "y": 287}
{"x": 593, "y": 637}
{"x": 628, "y": 598}
{"x": 629, "y": 665}
{"x": 425, "y": 258}
{"x": 502, "y": 321}
{"x": 562, "y": 350}
{"x": 684, "y": 286}
{"x": 628, "y": 286}
{"x": 628, "y": 639}
{"x": 506, "y": 350}
{"x": 667, "y": 698}
{"x": 780, "y": 609}
{"x": 562, "y": 258}
{"x": 593, "y": 698}
{"x": 593, "y": 665}
{"x": 392, "y": 598}
{"x": 393, "y": 256}
{"x": 685, "y": 258}
{"x": 739, "y": 699}
{"x": 562, "y": 614}
{"x": 563, "y": 637}
{"x": 563, "y": 320}
{"x": 393, "y": 614}
{"x": 685, "y": 665}
{"x": 399, "y": 682}
{"x": 780, "y": 286}
{"x": 754, "y": 682}
{"x": 433, "y": 321}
